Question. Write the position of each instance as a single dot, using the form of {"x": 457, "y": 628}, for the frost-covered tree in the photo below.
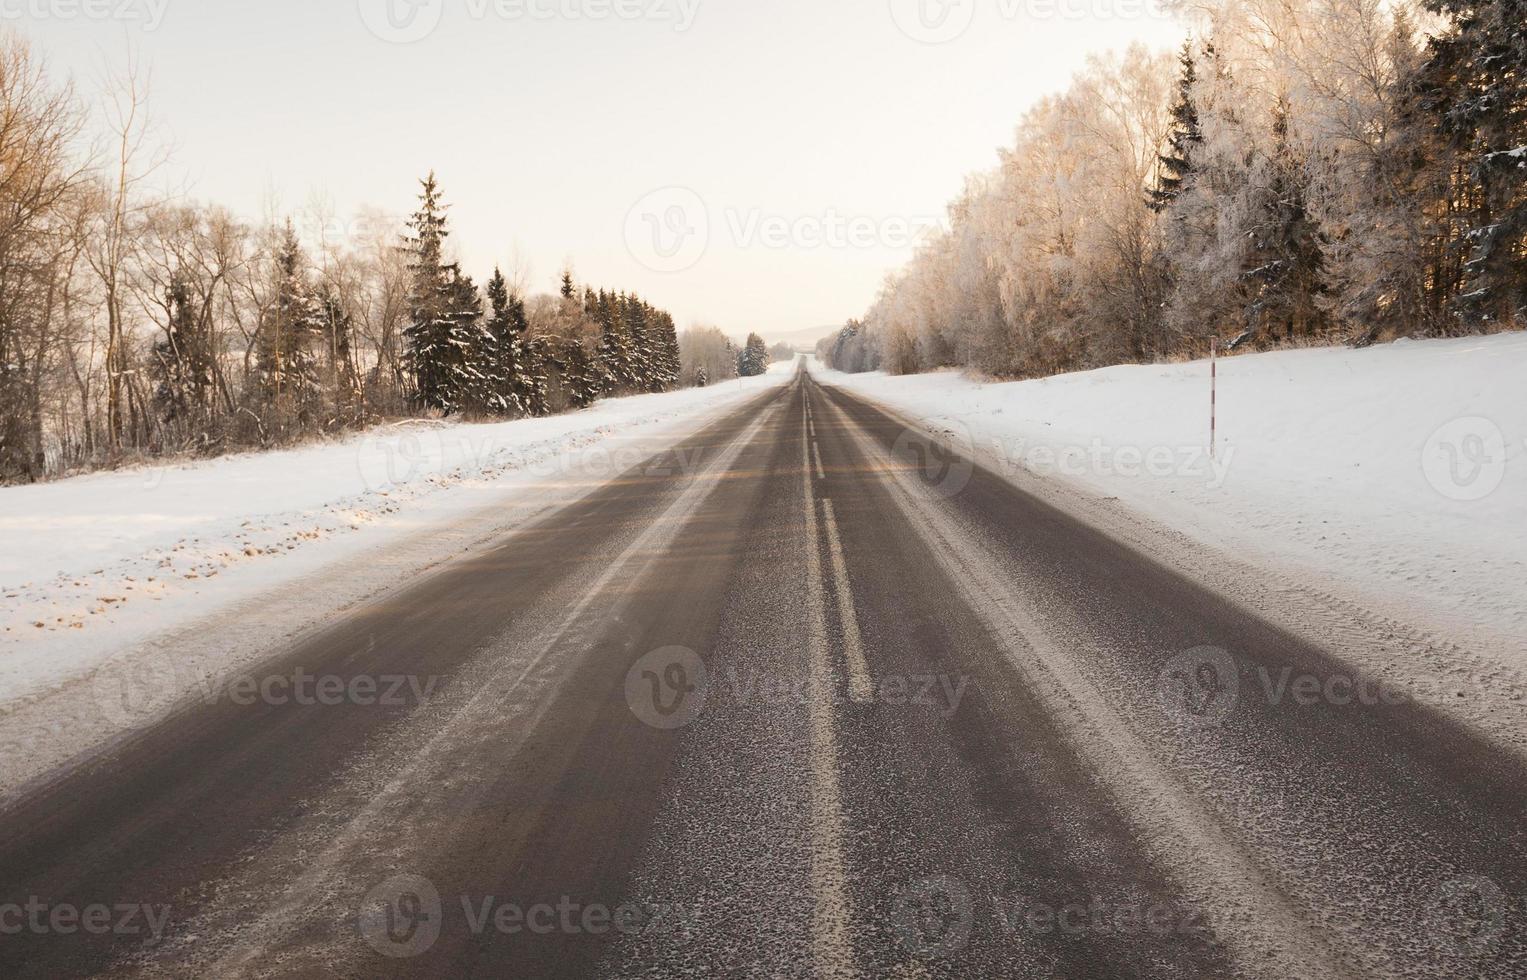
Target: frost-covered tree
{"x": 704, "y": 351}
{"x": 290, "y": 338}
{"x": 1285, "y": 274}
{"x": 666, "y": 360}
{"x": 510, "y": 385}
{"x": 631, "y": 313}
{"x": 444, "y": 342}
{"x": 341, "y": 377}
{"x": 581, "y": 375}
{"x": 1473, "y": 88}
{"x": 183, "y": 361}
{"x": 753, "y": 360}
{"x": 616, "y": 357}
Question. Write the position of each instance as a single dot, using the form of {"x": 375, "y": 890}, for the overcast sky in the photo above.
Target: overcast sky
{"x": 757, "y": 164}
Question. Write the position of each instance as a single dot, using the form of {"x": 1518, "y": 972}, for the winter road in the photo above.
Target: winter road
{"x": 807, "y": 695}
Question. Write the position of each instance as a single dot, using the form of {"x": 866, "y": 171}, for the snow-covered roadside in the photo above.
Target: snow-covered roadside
{"x": 101, "y": 564}
{"x": 1393, "y": 478}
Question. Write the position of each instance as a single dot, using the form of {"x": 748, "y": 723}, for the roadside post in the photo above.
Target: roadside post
{"x": 1213, "y": 398}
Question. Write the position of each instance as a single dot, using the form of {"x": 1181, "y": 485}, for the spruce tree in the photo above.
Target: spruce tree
{"x": 666, "y": 358}
{"x": 508, "y": 382}
{"x": 470, "y": 384}
{"x": 733, "y": 361}
{"x": 338, "y": 331}
{"x": 541, "y": 359}
{"x": 535, "y": 388}
{"x": 290, "y": 336}
{"x": 1187, "y": 134}
{"x": 754, "y": 359}
{"x": 633, "y": 313}
{"x": 581, "y": 375}
{"x": 183, "y": 365}
{"x": 615, "y": 358}
{"x": 1285, "y": 274}
{"x": 1474, "y": 86}
{"x": 443, "y": 313}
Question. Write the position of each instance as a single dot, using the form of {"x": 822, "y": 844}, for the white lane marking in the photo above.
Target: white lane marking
{"x": 360, "y": 831}
{"x": 860, "y": 688}
{"x": 816, "y": 454}
{"x": 1265, "y": 932}
{"x": 832, "y": 945}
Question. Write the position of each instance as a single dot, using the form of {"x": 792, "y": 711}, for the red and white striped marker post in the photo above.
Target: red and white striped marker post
{"x": 1213, "y": 397}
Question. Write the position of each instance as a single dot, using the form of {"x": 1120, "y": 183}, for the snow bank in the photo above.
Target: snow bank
{"x": 97, "y": 564}
{"x": 1394, "y": 474}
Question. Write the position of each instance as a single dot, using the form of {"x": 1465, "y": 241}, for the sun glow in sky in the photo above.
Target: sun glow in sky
{"x": 757, "y": 165}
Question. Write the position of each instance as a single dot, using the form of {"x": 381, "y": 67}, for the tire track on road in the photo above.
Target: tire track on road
{"x": 1270, "y": 938}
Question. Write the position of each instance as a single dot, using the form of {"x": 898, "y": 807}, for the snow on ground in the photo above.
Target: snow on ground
{"x": 1394, "y": 475}
{"x": 95, "y": 565}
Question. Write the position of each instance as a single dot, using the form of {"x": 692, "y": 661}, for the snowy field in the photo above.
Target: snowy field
{"x": 1393, "y": 476}
{"x": 93, "y": 566}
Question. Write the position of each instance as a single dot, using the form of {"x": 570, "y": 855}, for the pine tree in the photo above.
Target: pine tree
{"x": 537, "y": 382}
{"x": 1474, "y": 86}
{"x": 183, "y": 365}
{"x": 470, "y": 386}
{"x": 644, "y": 369}
{"x": 754, "y": 359}
{"x": 733, "y": 361}
{"x": 582, "y": 375}
{"x": 1187, "y": 134}
{"x": 341, "y": 373}
{"x": 569, "y": 291}
{"x": 541, "y": 359}
{"x": 615, "y": 357}
{"x": 290, "y": 336}
{"x": 701, "y": 377}
{"x": 1285, "y": 275}
{"x": 511, "y": 387}
{"x": 668, "y": 358}
{"x": 444, "y": 311}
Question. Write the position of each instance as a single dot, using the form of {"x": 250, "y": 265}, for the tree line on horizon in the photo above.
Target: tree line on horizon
{"x": 1302, "y": 172}
{"x": 134, "y": 325}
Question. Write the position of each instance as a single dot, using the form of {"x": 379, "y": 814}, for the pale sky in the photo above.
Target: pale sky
{"x": 759, "y": 165}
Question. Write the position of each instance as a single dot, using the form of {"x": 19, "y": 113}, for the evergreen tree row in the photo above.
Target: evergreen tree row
{"x": 638, "y": 344}
{"x": 464, "y": 357}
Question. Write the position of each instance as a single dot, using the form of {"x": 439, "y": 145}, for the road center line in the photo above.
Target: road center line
{"x": 860, "y": 688}
{"x": 832, "y": 945}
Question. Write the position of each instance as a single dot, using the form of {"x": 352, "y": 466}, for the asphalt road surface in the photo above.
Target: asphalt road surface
{"x": 807, "y": 695}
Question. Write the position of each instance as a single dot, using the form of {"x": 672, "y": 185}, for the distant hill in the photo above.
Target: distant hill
{"x": 805, "y": 338}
